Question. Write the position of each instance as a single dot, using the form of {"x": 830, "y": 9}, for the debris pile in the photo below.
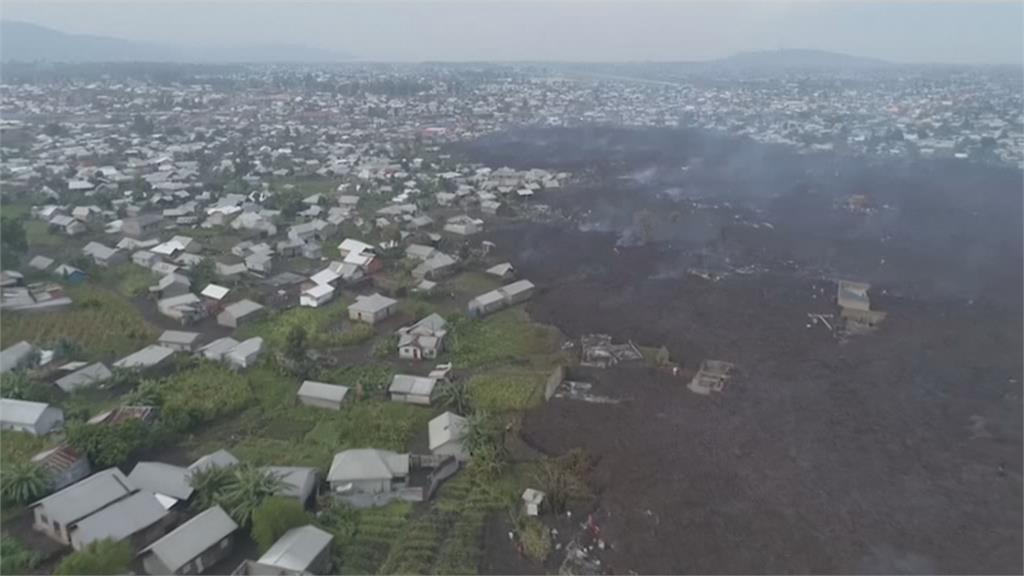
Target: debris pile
{"x": 573, "y": 390}
{"x": 711, "y": 377}
{"x": 855, "y": 308}
{"x": 597, "y": 351}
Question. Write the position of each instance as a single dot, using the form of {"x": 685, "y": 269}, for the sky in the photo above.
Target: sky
{"x": 574, "y": 30}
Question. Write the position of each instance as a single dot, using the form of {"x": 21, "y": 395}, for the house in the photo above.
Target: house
{"x": 261, "y": 262}
{"x": 299, "y": 551}
{"x": 316, "y": 295}
{"x": 9, "y": 278}
{"x": 90, "y": 375}
{"x": 178, "y": 340}
{"x": 64, "y": 465}
{"x": 239, "y": 313}
{"x": 505, "y": 271}
{"x": 214, "y": 292}
{"x": 16, "y": 356}
{"x": 464, "y": 225}
{"x": 367, "y": 471}
{"x": 437, "y": 266}
{"x": 412, "y": 389}
{"x": 351, "y": 245}
{"x": 419, "y": 251}
{"x": 171, "y": 285}
{"x": 67, "y": 225}
{"x": 371, "y": 309}
{"x": 289, "y": 248}
{"x": 218, "y": 348}
{"x": 69, "y": 273}
{"x": 423, "y": 339}
{"x": 169, "y": 483}
{"x": 138, "y": 516}
{"x": 148, "y": 357}
{"x": 104, "y": 255}
{"x": 219, "y": 459}
{"x": 193, "y": 547}
{"x": 297, "y": 482}
{"x": 40, "y": 263}
{"x": 446, "y": 435}
{"x": 322, "y": 395}
{"x": 36, "y": 418}
{"x": 143, "y": 225}
{"x": 145, "y": 414}
{"x": 58, "y": 512}
{"x": 532, "y": 500}
{"x": 503, "y": 297}
{"x": 145, "y": 258}
{"x": 186, "y": 308}
{"x": 245, "y": 354}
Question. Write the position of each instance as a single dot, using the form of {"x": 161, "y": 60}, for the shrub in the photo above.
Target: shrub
{"x": 24, "y": 482}
{"x": 274, "y": 517}
{"x": 100, "y": 557}
{"x": 536, "y": 539}
{"x": 109, "y": 445}
{"x": 16, "y": 557}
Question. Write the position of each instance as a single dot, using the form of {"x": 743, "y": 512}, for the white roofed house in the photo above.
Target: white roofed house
{"x": 508, "y": 295}
{"x": 437, "y": 266}
{"x": 214, "y": 292}
{"x": 169, "y": 483}
{"x": 139, "y": 517}
{"x": 17, "y": 355}
{"x": 239, "y": 313}
{"x": 84, "y": 377}
{"x": 299, "y": 482}
{"x": 424, "y": 339}
{"x": 505, "y": 271}
{"x": 218, "y": 348}
{"x": 193, "y": 547}
{"x": 148, "y": 357}
{"x": 186, "y": 308}
{"x": 372, "y": 309}
{"x": 299, "y": 551}
{"x": 316, "y": 295}
{"x": 36, "y": 418}
{"x": 369, "y": 477}
{"x": 260, "y": 262}
{"x": 179, "y": 340}
{"x": 55, "y": 514}
{"x": 446, "y": 434}
{"x": 40, "y": 262}
{"x": 245, "y": 353}
{"x": 172, "y": 284}
{"x": 67, "y": 225}
{"x": 464, "y": 225}
{"x": 413, "y": 389}
{"x": 142, "y": 225}
{"x": 322, "y": 395}
{"x": 103, "y": 255}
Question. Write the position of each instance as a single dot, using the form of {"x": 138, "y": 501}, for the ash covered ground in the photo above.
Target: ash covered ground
{"x": 897, "y": 451}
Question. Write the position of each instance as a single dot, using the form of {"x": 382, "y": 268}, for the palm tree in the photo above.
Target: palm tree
{"x": 457, "y": 397}
{"x": 24, "y": 482}
{"x": 210, "y": 484}
{"x": 248, "y": 488}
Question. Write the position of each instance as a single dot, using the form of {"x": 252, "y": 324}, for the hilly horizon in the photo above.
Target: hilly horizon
{"x": 28, "y": 42}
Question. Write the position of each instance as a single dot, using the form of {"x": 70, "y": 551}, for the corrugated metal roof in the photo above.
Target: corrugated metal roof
{"x": 297, "y": 548}
{"x": 192, "y": 538}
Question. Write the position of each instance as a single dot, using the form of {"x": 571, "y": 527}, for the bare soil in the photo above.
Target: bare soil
{"x": 894, "y": 452}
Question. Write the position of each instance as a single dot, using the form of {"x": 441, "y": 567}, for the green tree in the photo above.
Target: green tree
{"x": 274, "y": 517}
{"x": 457, "y": 397}
{"x": 24, "y": 482}
{"x": 13, "y": 241}
{"x": 16, "y": 557}
{"x": 100, "y": 557}
{"x": 248, "y": 488}
{"x": 209, "y": 485}
{"x": 203, "y": 273}
{"x": 563, "y": 478}
{"x": 109, "y": 445}
{"x": 295, "y": 343}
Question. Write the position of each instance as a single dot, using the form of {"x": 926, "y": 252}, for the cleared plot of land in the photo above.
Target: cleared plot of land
{"x": 102, "y": 324}
{"x": 507, "y": 337}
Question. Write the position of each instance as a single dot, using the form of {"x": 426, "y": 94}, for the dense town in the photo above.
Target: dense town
{"x": 253, "y": 322}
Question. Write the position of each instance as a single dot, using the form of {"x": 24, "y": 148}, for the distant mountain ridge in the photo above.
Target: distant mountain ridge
{"x": 799, "y": 58}
{"x": 25, "y": 42}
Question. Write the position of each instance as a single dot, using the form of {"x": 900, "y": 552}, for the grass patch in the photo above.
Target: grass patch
{"x": 507, "y": 337}
{"x": 474, "y": 283}
{"x": 37, "y": 233}
{"x": 103, "y": 324}
{"x": 507, "y": 389}
{"x": 19, "y": 447}
{"x": 203, "y": 394}
{"x": 127, "y": 279}
{"x": 323, "y": 326}
{"x": 277, "y": 430}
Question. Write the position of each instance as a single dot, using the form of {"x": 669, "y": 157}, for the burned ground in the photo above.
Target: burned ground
{"x": 899, "y": 451}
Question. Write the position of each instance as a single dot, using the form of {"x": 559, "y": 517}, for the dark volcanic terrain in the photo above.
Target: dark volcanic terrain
{"x": 896, "y": 451}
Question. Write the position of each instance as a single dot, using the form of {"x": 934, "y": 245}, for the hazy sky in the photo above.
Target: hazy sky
{"x": 552, "y": 30}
